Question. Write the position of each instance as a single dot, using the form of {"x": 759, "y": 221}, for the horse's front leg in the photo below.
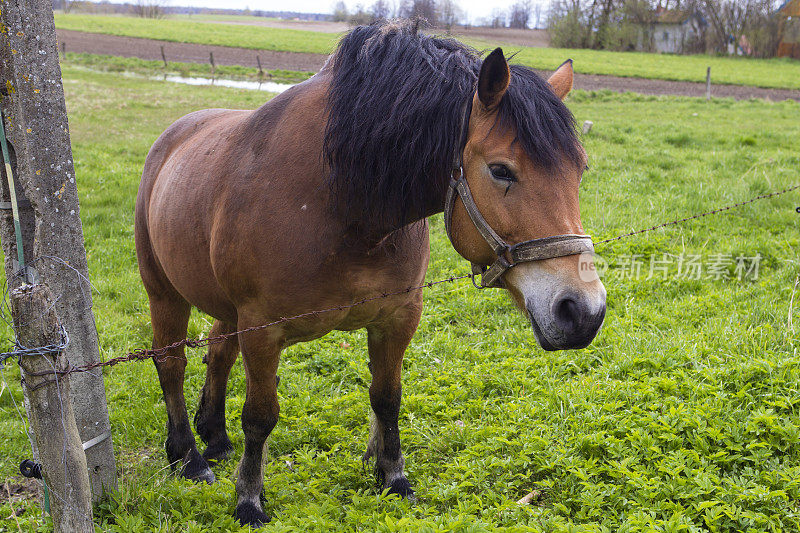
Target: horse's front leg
{"x": 260, "y": 353}
{"x": 387, "y": 345}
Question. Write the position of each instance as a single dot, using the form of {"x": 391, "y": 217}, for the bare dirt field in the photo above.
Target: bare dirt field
{"x": 593, "y": 82}
{"x": 223, "y": 55}
{"x": 507, "y": 35}
{"x": 96, "y": 43}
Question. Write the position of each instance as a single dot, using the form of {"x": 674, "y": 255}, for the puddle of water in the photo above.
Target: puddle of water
{"x": 267, "y": 86}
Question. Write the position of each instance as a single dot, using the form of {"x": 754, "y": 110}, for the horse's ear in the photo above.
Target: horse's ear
{"x": 493, "y": 79}
{"x": 561, "y": 80}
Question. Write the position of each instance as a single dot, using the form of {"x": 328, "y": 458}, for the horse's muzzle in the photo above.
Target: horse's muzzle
{"x": 574, "y": 321}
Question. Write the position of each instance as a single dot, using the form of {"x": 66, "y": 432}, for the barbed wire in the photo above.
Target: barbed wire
{"x": 701, "y": 215}
{"x": 162, "y": 353}
{"x": 50, "y": 349}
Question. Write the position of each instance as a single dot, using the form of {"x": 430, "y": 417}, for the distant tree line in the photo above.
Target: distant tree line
{"x": 440, "y": 13}
{"x": 719, "y": 26}
{"x": 140, "y": 8}
{"x": 132, "y": 8}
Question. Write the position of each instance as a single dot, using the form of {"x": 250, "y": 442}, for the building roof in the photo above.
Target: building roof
{"x": 675, "y": 16}
{"x": 790, "y": 8}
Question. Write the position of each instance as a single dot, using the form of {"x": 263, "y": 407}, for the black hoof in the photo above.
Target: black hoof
{"x": 207, "y": 475}
{"x": 402, "y": 487}
{"x": 218, "y": 452}
{"x": 197, "y": 469}
{"x": 249, "y": 515}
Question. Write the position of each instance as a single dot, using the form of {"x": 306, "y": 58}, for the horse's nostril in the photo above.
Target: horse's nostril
{"x": 567, "y": 314}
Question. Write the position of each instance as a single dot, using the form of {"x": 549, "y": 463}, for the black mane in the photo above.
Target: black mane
{"x": 395, "y": 108}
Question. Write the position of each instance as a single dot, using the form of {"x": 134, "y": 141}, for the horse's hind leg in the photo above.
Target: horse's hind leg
{"x": 209, "y": 421}
{"x": 170, "y": 317}
{"x": 387, "y": 345}
{"x": 260, "y": 352}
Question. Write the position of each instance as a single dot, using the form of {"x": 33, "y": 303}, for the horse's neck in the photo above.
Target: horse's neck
{"x": 435, "y": 206}
{"x": 305, "y": 103}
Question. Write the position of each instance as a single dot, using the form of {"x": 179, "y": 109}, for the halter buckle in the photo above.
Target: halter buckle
{"x": 478, "y": 270}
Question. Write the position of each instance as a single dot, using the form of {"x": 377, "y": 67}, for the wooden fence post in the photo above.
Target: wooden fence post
{"x": 51, "y": 418}
{"x": 35, "y": 118}
{"x": 163, "y": 56}
{"x": 708, "y": 83}
{"x": 211, "y": 60}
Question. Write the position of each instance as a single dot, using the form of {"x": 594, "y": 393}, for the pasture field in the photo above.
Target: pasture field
{"x": 221, "y": 18}
{"x": 189, "y": 31}
{"x": 771, "y": 73}
{"x": 145, "y": 67}
{"x": 681, "y": 416}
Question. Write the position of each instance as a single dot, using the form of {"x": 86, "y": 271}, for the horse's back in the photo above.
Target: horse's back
{"x": 206, "y": 149}
{"x": 160, "y": 197}
{"x": 233, "y": 211}
{"x": 183, "y": 131}
{"x": 211, "y": 184}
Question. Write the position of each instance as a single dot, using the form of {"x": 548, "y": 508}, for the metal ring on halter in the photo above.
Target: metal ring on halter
{"x": 477, "y": 270}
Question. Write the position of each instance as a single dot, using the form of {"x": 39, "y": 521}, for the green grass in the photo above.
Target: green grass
{"x": 221, "y": 18}
{"x": 681, "y": 416}
{"x": 156, "y": 68}
{"x": 186, "y": 31}
{"x": 772, "y": 73}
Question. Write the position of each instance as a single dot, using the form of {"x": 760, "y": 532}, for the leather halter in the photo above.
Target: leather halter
{"x": 522, "y": 252}
{"x": 508, "y": 256}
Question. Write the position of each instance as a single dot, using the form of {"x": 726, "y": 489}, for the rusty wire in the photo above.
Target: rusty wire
{"x": 160, "y": 354}
{"x": 701, "y": 215}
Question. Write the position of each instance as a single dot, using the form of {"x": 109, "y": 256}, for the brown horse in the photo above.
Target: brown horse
{"x": 319, "y": 198}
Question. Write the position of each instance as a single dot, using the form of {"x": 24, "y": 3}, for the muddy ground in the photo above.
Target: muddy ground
{"x": 20, "y": 492}
{"x": 223, "y": 55}
{"x": 95, "y": 43}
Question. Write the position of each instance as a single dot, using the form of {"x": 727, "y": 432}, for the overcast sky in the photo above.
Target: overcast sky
{"x": 475, "y": 9}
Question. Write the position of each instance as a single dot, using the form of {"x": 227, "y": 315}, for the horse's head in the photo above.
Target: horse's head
{"x": 523, "y": 172}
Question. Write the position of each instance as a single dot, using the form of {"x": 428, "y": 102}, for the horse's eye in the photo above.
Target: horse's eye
{"x": 502, "y": 172}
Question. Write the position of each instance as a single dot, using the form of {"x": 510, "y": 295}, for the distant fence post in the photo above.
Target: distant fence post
{"x": 708, "y": 84}
{"x": 211, "y": 59}
{"x": 50, "y": 237}
{"x": 260, "y": 70}
{"x": 163, "y": 56}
